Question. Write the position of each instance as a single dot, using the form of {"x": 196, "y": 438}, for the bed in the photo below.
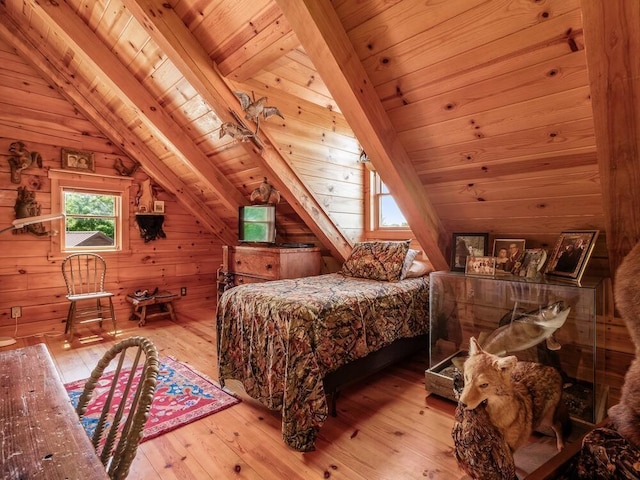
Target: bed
{"x": 291, "y": 341}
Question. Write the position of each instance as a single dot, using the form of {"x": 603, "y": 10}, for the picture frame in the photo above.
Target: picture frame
{"x": 158, "y": 206}
{"x": 78, "y": 160}
{"x": 465, "y": 244}
{"x": 571, "y": 254}
{"x": 480, "y": 266}
{"x": 532, "y": 262}
{"x": 508, "y": 253}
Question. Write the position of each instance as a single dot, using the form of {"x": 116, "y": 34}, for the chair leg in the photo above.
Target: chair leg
{"x": 68, "y": 329}
{"x": 99, "y": 308}
{"x": 113, "y": 317}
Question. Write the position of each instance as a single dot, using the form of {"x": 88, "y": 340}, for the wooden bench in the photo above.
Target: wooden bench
{"x": 161, "y": 302}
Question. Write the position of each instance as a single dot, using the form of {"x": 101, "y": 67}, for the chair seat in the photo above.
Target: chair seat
{"x": 89, "y": 296}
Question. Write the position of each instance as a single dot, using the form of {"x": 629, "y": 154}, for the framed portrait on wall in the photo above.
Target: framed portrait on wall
{"x": 571, "y": 254}
{"x": 467, "y": 244}
{"x": 78, "y": 160}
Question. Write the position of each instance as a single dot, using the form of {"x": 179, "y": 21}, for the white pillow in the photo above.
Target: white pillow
{"x": 408, "y": 260}
{"x": 419, "y": 268}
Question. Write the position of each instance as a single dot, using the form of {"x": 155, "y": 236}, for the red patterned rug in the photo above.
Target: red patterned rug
{"x": 182, "y": 396}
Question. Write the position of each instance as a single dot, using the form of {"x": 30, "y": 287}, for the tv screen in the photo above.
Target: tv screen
{"x": 257, "y": 224}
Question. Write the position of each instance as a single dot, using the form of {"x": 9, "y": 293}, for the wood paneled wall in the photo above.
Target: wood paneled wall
{"x": 187, "y": 257}
{"x": 32, "y": 112}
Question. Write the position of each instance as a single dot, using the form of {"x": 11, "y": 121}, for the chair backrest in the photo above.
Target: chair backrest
{"x": 84, "y": 273}
{"x": 124, "y": 414}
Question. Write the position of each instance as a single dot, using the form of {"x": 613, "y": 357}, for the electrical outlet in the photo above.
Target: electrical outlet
{"x": 183, "y": 291}
{"x": 16, "y": 312}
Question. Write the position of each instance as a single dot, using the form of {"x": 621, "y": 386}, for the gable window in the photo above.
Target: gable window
{"x": 385, "y": 212}
{"x": 92, "y": 220}
{"x": 96, "y": 208}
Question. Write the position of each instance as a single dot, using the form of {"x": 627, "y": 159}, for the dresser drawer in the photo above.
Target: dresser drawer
{"x": 263, "y": 264}
{"x": 240, "y": 279}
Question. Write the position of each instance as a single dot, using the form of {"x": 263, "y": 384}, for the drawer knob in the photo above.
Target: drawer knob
{"x": 268, "y": 266}
{"x": 238, "y": 262}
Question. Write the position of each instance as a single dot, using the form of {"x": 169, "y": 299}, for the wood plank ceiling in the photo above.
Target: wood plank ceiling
{"x": 476, "y": 113}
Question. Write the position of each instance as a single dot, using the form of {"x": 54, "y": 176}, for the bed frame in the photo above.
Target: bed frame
{"x": 359, "y": 369}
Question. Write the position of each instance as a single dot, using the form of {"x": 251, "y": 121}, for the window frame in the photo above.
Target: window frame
{"x": 62, "y": 180}
{"x": 373, "y": 193}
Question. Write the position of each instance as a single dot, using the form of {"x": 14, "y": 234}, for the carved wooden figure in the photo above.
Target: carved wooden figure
{"x": 21, "y": 159}
{"x": 26, "y": 206}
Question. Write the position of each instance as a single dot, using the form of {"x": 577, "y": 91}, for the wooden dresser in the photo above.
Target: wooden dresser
{"x": 249, "y": 264}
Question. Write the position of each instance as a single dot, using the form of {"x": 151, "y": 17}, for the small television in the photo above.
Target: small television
{"x": 257, "y": 224}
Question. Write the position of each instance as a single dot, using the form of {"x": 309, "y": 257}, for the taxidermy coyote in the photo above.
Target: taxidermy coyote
{"x": 520, "y": 396}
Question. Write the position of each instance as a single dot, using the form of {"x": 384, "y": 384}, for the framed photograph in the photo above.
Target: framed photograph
{"x": 532, "y": 262}
{"x": 481, "y": 266}
{"x": 571, "y": 254}
{"x": 158, "y": 206}
{"x": 78, "y": 160}
{"x": 465, "y": 244}
{"x": 508, "y": 253}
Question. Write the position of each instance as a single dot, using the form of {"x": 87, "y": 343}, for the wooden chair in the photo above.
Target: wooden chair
{"x": 84, "y": 275}
{"x": 123, "y": 422}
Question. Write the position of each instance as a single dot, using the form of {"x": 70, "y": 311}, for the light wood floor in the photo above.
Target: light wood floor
{"x": 386, "y": 428}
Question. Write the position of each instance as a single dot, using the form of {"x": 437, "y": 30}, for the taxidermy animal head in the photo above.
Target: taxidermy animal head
{"x": 253, "y": 108}
{"x": 265, "y": 193}
{"x": 486, "y": 376}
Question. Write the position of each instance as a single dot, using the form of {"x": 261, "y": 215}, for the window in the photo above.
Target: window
{"x": 386, "y": 213}
{"x": 96, "y": 209}
{"x": 92, "y": 220}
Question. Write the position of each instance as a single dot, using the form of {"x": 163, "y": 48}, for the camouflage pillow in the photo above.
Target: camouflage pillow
{"x": 376, "y": 260}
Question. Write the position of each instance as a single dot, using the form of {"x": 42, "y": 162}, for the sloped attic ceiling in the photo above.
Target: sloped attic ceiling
{"x": 472, "y": 111}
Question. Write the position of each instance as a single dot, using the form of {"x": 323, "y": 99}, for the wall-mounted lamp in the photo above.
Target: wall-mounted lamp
{"x": 19, "y": 223}
{"x": 23, "y": 222}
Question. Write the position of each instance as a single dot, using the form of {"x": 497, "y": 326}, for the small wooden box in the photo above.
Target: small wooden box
{"x": 439, "y": 378}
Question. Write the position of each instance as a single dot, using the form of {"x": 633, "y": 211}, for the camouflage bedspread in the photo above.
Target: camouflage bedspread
{"x": 281, "y": 338}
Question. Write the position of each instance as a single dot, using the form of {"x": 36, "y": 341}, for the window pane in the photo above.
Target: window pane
{"x": 89, "y": 232}
{"x": 91, "y": 219}
{"x": 89, "y": 204}
{"x": 390, "y": 214}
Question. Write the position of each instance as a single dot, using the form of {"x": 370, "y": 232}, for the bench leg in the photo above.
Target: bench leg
{"x": 143, "y": 316}
{"x": 172, "y": 312}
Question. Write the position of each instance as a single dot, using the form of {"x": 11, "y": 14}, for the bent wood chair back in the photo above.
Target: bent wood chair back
{"x": 84, "y": 275}
{"x": 126, "y": 404}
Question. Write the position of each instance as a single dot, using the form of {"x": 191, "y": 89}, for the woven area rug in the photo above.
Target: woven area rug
{"x": 182, "y": 396}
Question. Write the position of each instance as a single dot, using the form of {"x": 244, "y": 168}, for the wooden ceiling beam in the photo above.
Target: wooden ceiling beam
{"x": 29, "y": 45}
{"x": 612, "y": 43}
{"x": 175, "y": 39}
{"x": 64, "y": 22}
{"x": 261, "y": 51}
{"x": 323, "y": 37}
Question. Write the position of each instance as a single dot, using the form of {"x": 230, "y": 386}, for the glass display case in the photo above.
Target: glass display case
{"x": 541, "y": 320}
